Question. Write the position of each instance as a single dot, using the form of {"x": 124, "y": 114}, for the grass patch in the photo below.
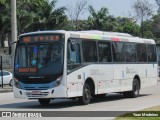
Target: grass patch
{"x": 145, "y": 114}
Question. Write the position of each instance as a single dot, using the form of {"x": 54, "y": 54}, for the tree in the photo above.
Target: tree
{"x": 142, "y": 9}
{"x": 98, "y": 19}
{"x": 74, "y": 11}
{"x": 113, "y": 24}
{"x": 39, "y": 15}
{"x": 128, "y": 25}
{"x": 156, "y": 26}
{"x": 158, "y": 3}
{"x": 32, "y": 15}
{"x": 4, "y": 20}
{"x": 49, "y": 18}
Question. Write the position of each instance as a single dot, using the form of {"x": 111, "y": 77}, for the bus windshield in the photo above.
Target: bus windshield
{"x": 42, "y": 58}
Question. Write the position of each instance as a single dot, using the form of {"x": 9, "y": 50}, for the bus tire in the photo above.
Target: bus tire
{"x": 135, "y": 90}
{"x": 86, "y": 97}
{"x": 44, "y": 101}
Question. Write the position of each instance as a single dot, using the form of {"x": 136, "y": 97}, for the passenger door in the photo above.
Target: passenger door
{"x": 74, "y": 71}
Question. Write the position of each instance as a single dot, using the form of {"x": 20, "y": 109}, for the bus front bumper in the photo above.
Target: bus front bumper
{"x": 57, "y": 92}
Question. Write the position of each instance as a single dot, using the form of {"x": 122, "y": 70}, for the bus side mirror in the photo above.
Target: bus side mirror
{"x": 73, "y": 47}
{"x": 10, "y": 46}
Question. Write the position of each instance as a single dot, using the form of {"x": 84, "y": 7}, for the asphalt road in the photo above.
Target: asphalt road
{"x": 112, "y": 102}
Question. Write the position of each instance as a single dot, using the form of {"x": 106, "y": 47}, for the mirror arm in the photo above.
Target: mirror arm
{"x": 12, "y": 43}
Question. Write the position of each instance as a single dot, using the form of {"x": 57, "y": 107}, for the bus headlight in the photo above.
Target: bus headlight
{"x": 58, "y": 81}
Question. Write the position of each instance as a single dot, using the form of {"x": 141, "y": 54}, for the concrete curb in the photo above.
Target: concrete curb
{"x": 6, "y": 89}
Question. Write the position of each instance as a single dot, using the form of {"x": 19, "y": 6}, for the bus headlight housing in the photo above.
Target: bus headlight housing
{"x": 58, "y": 81}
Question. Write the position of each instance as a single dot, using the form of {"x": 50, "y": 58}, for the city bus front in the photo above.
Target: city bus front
{"x": 38, "y": 66}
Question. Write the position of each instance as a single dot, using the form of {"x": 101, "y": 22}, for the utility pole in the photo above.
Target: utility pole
{"x": 1, "y": 70}
{"x": 13, "y": 28}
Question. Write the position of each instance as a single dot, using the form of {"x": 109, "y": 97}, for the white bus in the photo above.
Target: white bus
{"x": 82, "y": 64}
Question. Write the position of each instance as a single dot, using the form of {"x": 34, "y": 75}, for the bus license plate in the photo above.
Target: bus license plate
{"x": 35, "y": 92}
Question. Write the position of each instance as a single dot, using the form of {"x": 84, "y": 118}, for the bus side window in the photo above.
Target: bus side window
{"x": 73, "y": 56}
{"x": 151, "y": 53}
{"x": 104, "y": 51}
{"x": 141, "y": 53}
{"x": 74, "y": 53}
{"x": 118, "y": 49}
{"x": 130, "y": 50}
{"x": 90, "y": 51}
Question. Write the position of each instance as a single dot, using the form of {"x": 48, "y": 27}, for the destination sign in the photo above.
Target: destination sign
{"x": 40, "y": 38}
{"x": 27, "y": 70}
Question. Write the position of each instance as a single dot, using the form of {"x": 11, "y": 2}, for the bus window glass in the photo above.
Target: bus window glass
{"x": 130, "y": 49}
{"x": 74, "y": 53}
{"x": 43, "y": 57}
{"x": 118, "y": 51}
{"x": 73, "y": 56}
{"x": 90, "y": 51}
{"x": 104, "y": 51}
{"x": 21, "y": 57}
{"x": 151, "y": 53}
{"x": 141, "y": 53}
{"x": 56, "y": 53}
{"x": 43, "y": 54}
{"x": 32, "y": 56}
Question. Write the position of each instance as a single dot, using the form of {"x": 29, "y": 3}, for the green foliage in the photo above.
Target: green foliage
{"x": 32, "y": 15}
{"x": 98, "y": 19}
{"x": 4, "y": 19}
{"x": 39, "y": 15}
{"x": 101, "y": 20}
{"x": 156, "y": 25}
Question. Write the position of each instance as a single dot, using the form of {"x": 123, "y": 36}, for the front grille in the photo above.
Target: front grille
{"x": 42, "y": 94}
{"x": 37, "y": 79}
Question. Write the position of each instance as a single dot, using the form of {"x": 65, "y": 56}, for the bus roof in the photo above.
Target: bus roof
{"x": 97, "y": 35}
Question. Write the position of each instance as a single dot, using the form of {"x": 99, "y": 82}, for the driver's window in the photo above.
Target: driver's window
{"x": 73, "y": 56}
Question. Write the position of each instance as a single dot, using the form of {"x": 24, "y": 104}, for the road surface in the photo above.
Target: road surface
{"x": 112, "y": 102}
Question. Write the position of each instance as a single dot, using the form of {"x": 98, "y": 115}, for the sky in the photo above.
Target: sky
{"x": 116, "y": 8}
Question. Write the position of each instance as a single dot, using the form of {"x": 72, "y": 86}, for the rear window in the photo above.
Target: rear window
{"x": 4, "y": 73}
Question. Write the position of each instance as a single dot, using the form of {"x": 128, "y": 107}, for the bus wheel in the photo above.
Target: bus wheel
{"x": 135, "y": 92}
{"x": 44, "y": 101}
{"x": 86, "y": 97}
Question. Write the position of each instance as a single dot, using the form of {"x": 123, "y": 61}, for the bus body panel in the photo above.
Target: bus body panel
{"x": 102, "y": 76}
{"x": 147, "y": 74}
{"x": 75, "y": 83}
